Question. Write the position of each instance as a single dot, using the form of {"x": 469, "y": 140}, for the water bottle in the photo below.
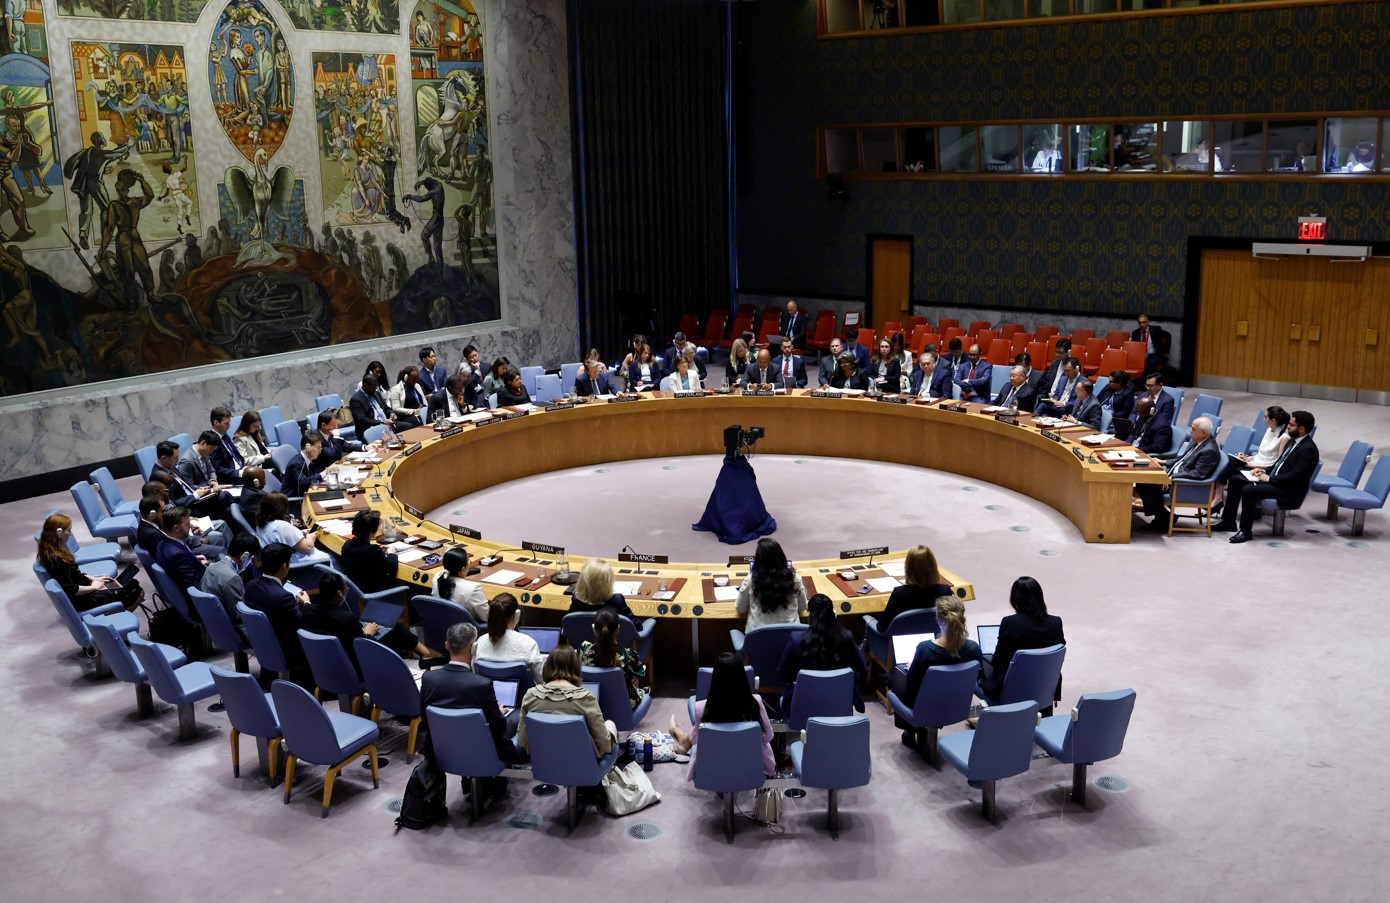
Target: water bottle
{"x": 647, "y": 754}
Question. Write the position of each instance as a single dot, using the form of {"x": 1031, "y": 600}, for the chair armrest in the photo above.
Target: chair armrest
{"x": 399, "y": 595}
{"x": 110, "y": 608}
{"x": 644, "y": 630}
{"x": 871, "y": 624}
{"x": 737, "y": 637}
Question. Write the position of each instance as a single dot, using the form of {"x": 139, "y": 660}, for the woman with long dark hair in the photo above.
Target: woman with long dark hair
{"x": 825, "y": 646}
{"x": 730, "y": 701}
{"x": 603, "y": 651}
{"x": 1029, "y": 627}
{"x": 503, "y": 642}
{"x": 773, "y": 592}
{"x": 250, "y": 441}
{"x": 452, "y": 584}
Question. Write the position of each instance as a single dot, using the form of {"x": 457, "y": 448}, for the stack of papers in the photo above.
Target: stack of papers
{"x": 1097, "y": 439}
{"x": 726, "y": 594}
{"x": 341, "y": 527}
{"x": 895, "y": 568}
{"x": 503, "y": 577}
{"x": 883, "y": 584}
{"x": 332, "y": 504}
{"x": 362, "y": 456}
{"x": 472, "y": 418}
{"x": 1121, "y": 455}
{"x": 627, "y": 587}
{"x": 412, "y": 554}
{"x": 202, "y": 523}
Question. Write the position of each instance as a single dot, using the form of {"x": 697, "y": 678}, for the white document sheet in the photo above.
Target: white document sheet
{"x": 883, "y": 584}
{"x": 726, "y": 594}
{"x": 503, "y": 577}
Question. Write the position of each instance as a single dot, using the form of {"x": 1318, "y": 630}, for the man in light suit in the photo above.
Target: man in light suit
{"x": 1164, "y": 406}
{"x": 195, "y": 465}
{"x": 1017, "y": 395}
{"x": 793, "y": 326}
{"x": 432, "y": 372}
{"x": 760, "y": 374}
{"x": 458, "y": 686}
{"x": 267, "y": 594}
{"x": 589, "y": 381}
{"x": 1287, "y": 480}
{"x": 226, "y": 578}
{"x": 974, "y": 376}
{"x": 791, "y": 369}
{"x": 1199, "y": 462}
{"x": 930, "y": 379}
{"x": 1158, "y": 343}
{"x": 1087, "y": 409}
{"x": 1061, "y": 395}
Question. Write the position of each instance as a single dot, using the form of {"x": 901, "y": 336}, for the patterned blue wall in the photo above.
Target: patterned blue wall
{"x": 1085, "y": 245}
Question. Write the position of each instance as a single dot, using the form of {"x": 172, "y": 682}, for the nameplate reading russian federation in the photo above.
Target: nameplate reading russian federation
{"x": 893, "y": 399}
{"x": 559, "y": 406}
{"x": 863, "y": 553}
{"x": 410, "y": 451}
{"x": 623, "y": 399}
{"x": 461, "y": 530}
{"x": 736, "y": 561}
{"x": 640, "y": 558}
{"x": 1051, "y": 435}
{"x": 689, "y": 395}
{"x": 543, "y": 548}
{"x": 1005, "y": 418}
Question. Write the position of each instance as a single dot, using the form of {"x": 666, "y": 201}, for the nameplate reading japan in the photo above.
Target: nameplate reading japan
{"x": 624, "y": 399}
{"x": 640, "y": 558}
{"x": 542, "y": 548}
{"x": 410, "y": 451}
{"x": 863, "y": 553}
{"x": 461, "y": 530}
{"x": 740, "y": 560}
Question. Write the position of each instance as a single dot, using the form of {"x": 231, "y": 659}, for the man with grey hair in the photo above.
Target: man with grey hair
{"x": 458, "y": 686}
{"x": 929, "y": 380}
{"x": 1018, "y": 394}
{"x": 1199, "y": 461}
{"x": 1087, "y": 409}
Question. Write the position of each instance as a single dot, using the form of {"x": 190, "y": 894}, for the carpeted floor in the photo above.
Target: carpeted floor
{"x": 1252, "y": 768}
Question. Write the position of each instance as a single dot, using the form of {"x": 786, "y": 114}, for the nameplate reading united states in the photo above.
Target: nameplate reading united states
{"x": 542, "y": 548}
{"x": 461, "y": 530}
{"x": 863, "y": 553}
{"x": 640, "y": 558}
{"x": 817, "y": 393}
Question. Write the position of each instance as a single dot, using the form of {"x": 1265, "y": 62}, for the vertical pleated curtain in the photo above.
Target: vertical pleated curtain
{"x": 650, "y": 86}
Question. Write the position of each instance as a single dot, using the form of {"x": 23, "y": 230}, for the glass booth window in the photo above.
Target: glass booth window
{"x": 999, "y": 144}
{"x": 1042, "y": 148}
{"x": 1349, "y": 145}
{"x": 841, "y": 150}
{"x": 1038, "y": 9}
{"x": 996, "y": 10}
{"x": 1239, "y": 146}
{"x": 1187, "y": 146}
{"x": 915, "y": 13}
{"x": 1292, "y": 146}
{"x": 1087, "y": 148}
{"x": 880, "y": 14}
{"x": 1086, "y": 7}
{"x": 841, "y": 16}
{"x": 958, "y": 151}
{"x": 958, "y": 11}
{"x": 1385, "y": 145}
{"x": 1134, "y": 147}
{"x": 919, "y": 150}
{"x": 880, "y": 150}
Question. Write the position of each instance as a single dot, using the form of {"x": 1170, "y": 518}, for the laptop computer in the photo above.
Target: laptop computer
{"x": 592, "y": 687}
{"x": 905, "y": 647}
{"x": 988, "y": 638}
{"x": 547, "y": 638}
{"x": 506, "y": 693}
{"x": 378, "y": 611}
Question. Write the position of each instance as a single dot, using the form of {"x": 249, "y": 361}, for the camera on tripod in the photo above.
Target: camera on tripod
{"x": 739, "y": 440}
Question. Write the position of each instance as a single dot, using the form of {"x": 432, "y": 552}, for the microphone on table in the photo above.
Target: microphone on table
{"x": 495, "y": 557}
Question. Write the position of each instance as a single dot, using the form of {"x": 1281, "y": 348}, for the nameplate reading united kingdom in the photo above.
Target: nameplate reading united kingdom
{"x": 641, "y": 558}
{"x": 623, "y": 399}
{"x": 542, "y": 548}
{"x": 560, "y": 406}
{"x": 692, "y": 395}
{"x": 461, "y": 530}
{"x": 764, "y": 392}
{"x": 863, "y": 553}
{"x": 410, "y": 451}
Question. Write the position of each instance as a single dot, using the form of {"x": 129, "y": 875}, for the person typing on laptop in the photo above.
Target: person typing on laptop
{"x": 328, "y": 615}
{"x": 950, "y": 646}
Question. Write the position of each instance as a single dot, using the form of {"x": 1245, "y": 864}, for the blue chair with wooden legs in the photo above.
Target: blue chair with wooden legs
{"x": 1194, "y": 498}
{"x": 548, "y": 389}
{"x": 529, "y": 376}
{"x": 332, "y": 669}
{"x": 264, "y": 642}
{"x": 1204, "y": 406}
{"x": 1093, "y": 732}
{"x": 1348, "y": 476}
{"x": 1001, "y": 746}
{"x": 320, "y": 737}
{"x": 944, "y": 698}
{"x": 145, "y": 460}
{"x": 252, "y": 713}
{"x": 287, "y": 435}
{"x": 729, "y": 760}
{"x": 614, "y": 700}
{"x": 821, "y": 694}
{"x": 1236, "y": 440}
{"x": 834, "y": 757}
{"x": 392, "y": 687}
{"x": 221, "y": 631}
{"x": 578, "y": 628}
{"x": 357, "y": 600}
{"x": 463, "y": 745}
{"x": 180, "y": 687}
{"x": 562, "y": 753}
{"x": 1362, "y": 500}
{"x": 108, "y": 638}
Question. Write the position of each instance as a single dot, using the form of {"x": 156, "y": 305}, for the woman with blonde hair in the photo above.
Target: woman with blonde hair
{"x": 739, "y": 359}
{"x": 84, "y": 591}
{"x": 921, "y": 586}
{"x": 950, "y": 647}
{"x": 595, "y": 589}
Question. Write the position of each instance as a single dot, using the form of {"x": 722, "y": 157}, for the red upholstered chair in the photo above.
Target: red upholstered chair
{"x": 998, "y": 354}
{"x": 1019, "y": 341}
{"x": 1116, "y": 339}
{"x": 1009, "y": 330}
{"x": 976, "y": 326}
{"x": 823, "y": 332}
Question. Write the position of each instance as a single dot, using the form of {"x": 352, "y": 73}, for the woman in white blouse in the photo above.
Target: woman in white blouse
{"x": 684, "y": 379}
{"x": 503, "y": 642}
{"x": 450, "y": 584}
{"x": 773, "y": 592}
{"x": 1272, "y": 445}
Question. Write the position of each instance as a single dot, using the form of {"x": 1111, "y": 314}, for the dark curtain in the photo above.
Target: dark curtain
{"x": 650, "y": 83}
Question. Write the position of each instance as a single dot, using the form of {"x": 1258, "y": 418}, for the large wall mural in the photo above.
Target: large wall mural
{"x": 131, "y": 250}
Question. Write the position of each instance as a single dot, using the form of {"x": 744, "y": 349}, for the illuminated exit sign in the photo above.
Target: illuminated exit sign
{"x": 1312, "y": 228}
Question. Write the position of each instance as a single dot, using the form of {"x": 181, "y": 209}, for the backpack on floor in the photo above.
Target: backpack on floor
{"x": 423, "y": 803}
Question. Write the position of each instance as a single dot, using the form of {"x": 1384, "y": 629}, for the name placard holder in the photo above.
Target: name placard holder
{"x": 452, "y": 431}
{"x": 410, "y": 451}
{"x": 624, "y": 399}
{"x": 461, "y": 530}
{"x": 542, "y": 548}
{"x": 817, "y": 393}
{"x": 688, "y": 395}
{"x": 559, "y": 406}
{"x": 1005, "y": 418}
{"x": 893, "y": 399}
{"x": 412, "y": 510}
{"x": 392, "y": 469}
{"x": 846, "y": 554}
{"x": 738, "y": 561}
{"x": 640, "y": 558}
{"x": 761, "y": 393}
{"x": 1080, "y": 457}
{"x": 957, "y": 408}
{"x": 1051, "y": 435}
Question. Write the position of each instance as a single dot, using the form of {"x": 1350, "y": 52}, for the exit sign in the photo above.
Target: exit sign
{"x": 1312, "y": 228}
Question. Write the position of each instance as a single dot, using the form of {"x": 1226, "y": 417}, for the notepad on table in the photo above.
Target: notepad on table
{"x": 883, "y": 584}
{"x": 1097, "y": 439}
{"x": 895, "y": 568}
{"x": 503, "y": 577}
{"x": 726, "y": 594}
{"x": 627, "y": 587}
{"x": 332, "y": 504}
{"x": 412, "y": 555}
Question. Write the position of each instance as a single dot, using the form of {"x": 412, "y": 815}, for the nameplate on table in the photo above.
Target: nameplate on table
{"x": 498, "y": 418}
{"x": 542, "y": 548}
{"x": 1006, "y": 418}
{"x": 559, "y": 406}
{"x": 957, "y": 408}
{"x": 392, "y": 468}
{"x": 1048, "y": 434}
{"x": 624, "y": 399}
{"x": 736, "y": 561}
{"x": 461, "y": 530}
{"x": 1079, "y": 456}
{"x": 642, "y": 558}
{"x": 451, "y": 431}
{"x": 689, "y": 394}
{"x": 893, "y": 399}
{"x": 819, "y": 393}
{"x": 863, "y": 553}
{"x": 410, "y": 451}
{"x": 412, "y": 510}
{"x": 766, "y": 393}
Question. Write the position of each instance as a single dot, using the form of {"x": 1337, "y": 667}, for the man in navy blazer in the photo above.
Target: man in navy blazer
{"x": 172, "y": 552}
{"x": 1199, "y": 462}
{"x": 1087, "y": 409}
{"x": 1286, "y": 481}
{"x": 793, "y": 326}
{"x": 791, "y": 369}
{"x": 334, "y": 447}
{"x": 1164, "y": 405}
{"x": 300, "y": 473}
{"x": 367, "y": 409}
{"x": 432, "y": 372}
{"x": 1150, "y": 436}
{"x": 589, "y": 381}
{"x": 936, "y": 379}
{"x": 861, "y": 354}
{"x": 1060, "y": 397}
{"x": 760, "y": 373}
{"x": 267, "y": 594}
{"x": 1158, "y": 344}
{"x": 974, "y": 376}
{"x": 458, "y": 686}
{"x": 226, "y": 460}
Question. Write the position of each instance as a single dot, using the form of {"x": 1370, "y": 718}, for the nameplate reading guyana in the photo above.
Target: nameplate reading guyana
{"x": 863, "y": 553}
{"x": 410, "y": 451}
{"x": 689, "y": 395}
{"x": 560, "y": 406}
{"x": 639, "y": 558}
{"x": 543, "y": 548}
{"x": 465, "y": 531}
{"x": 740, "y": 560}
{"x": 623, "y": 399}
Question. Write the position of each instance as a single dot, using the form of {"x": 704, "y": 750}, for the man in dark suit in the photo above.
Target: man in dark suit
{"x": 1199, "y": 462}
{"x": 1150, "y": 436}
{"x": 334, "y": 448}
{"x": 1157, "y": 341}
{"x": 1164, "y": 406}
{"x": 861, "y": 354}
{"x": 253, "y": 490}
{"x": 668, "y": 357}
{"x": 172, "y": 552}
{"x": 1017, "y": 395}
{"x": 1060, "y": 352}
{"x": 226, "y": 460}
{"x": 793, "y": 326}
{"x": 1032, "y": 377}
{"x": 458, "y": 686}
{"x": 454, "y": 400}
{"x": 831, "y": 362}
{"x": 300, "y": 473}
{"x": 367, "y": 409}
{"x": 590, "y": 381}
{"x": 147, "y": 531}
{"x": 1286, "y": 481}
{"x": 267, "y": 594}
{"x": 365, "y": 562}
{"x": 205, "y": 499}
{"x": 1061, "y": 394}
{"x": 930, "y": 379}
{"x": 1087, "y": 409}
{"x": 790, "y": 368}
{"x": 974, "y": 376}
{"x": 953, "y": 358}
{"x": 760, "y": 374}
{"x": 432, "y": 373}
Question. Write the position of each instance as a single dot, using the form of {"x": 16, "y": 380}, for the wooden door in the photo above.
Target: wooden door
{"x": 1370, "y": 340}
{"x": 890, "y": 280}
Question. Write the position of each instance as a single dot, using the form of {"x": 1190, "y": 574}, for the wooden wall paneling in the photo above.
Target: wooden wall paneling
{"x": 891, "y": 281}
{"x": 1332, "y": 314}
{"x": 1370, "y": 340}
{"x": 1223, "y": 303}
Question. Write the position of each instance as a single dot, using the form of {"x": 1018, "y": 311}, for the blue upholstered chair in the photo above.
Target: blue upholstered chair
{"x": 1194, "y": 498}
{"x": 834, "y": 757}
{"x": 563, "y": 753}
{"x": 821, "y": 694}
{"x": 1180, "y": 437}
{"x": 122, "y": 621}
{"x": 166, "y": 588}
{"x": 374, "y": 433}
{"x": 1257, "y": 432}
{"x": 438, "y": 615}
{"x": 1271, "y": 506}
{"x": 879, "y": 637}
{"x": 264, "y": 642}
{"x": 1177, "y": 405}
{"x": 702, "y": 681}
{"x": 251, "y": 713}
{"x": 1237, "y": 440}
{"x": 392, "y": 686}
{"x": 271, "y": 417}
{"x": 1033, "y": 675}
{"x": 110, "y": 493}
{"x": 110, "y": 640}
{"x": 944, "y": 699}
{"x": 332, "y": 669}
{"x": 613, "y": 698}
{"x": 357, "y": 600}
{"x": 1204, "y": 406}
{"x": 568, "y": 372}
{"x": 184, "y": 441}
{"x": 762, "y": 648}
{"x": 529, "y": 376}
{"x": 102, "y": 526}
{"x": 518, "y": 671}
{"x": 221, "y": 630}
{"x": 145, "y": 460}
{"x": 1093, "y": 732}
{"x": 463, "y": 745}
{"x": 287, "y": 435}
{"x": 238, "y": 518}
{"x": 578, "y": 628}
{"x": 1348, "y": 476}
{"x": 181, "y": 686}
{"x": 548, "y": 388}
{"x": 729, "y": 759}
{"x": 1363, "y": 500}
{"x": 320, "y": 737}
{"x": 1001, "y": 746}
{"x": 95, "y": 560}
